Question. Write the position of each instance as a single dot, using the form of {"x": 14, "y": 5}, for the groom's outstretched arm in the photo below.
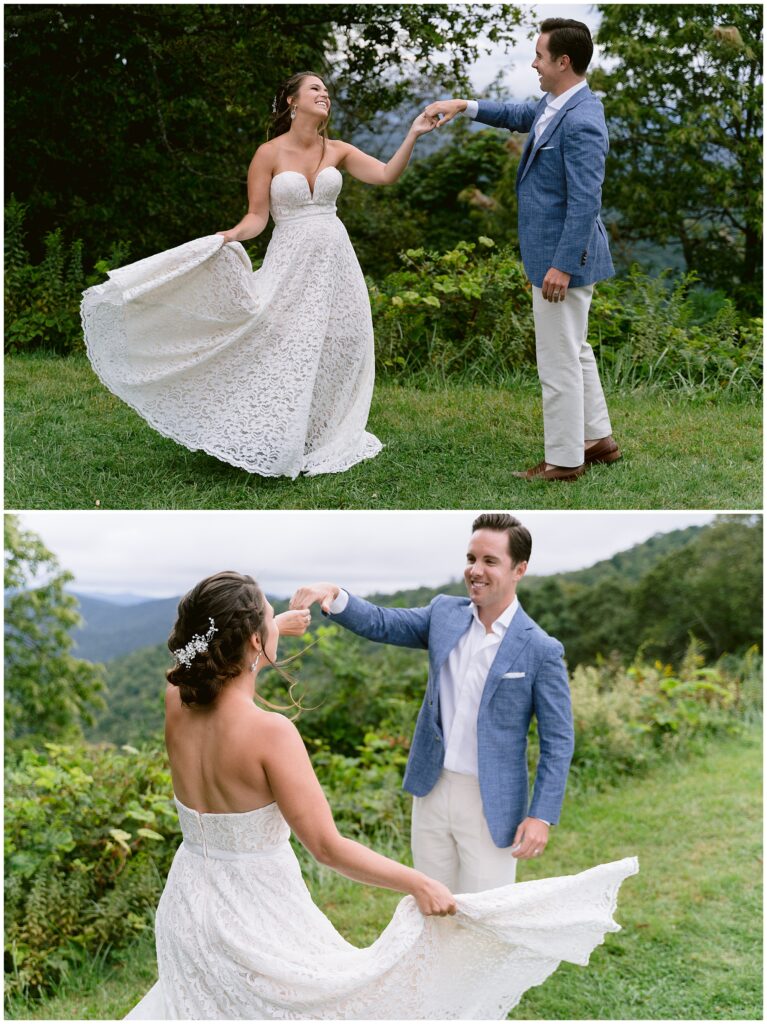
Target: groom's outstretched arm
{"x": 404, "y": 627}
{"x": 516, "y": 117}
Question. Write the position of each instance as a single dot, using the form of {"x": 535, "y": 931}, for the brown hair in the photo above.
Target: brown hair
{"x": 571, "y": 38}
{"x": 280, "y": 120}
{"x": 237, "y": 606}
{"x": 520, "y": 541}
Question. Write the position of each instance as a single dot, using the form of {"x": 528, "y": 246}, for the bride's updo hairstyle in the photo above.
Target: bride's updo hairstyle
{"x": 237, "y": 607}
{"x": 280, "y": 121}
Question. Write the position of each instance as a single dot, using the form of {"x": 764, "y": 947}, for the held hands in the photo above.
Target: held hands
{"x": 423, "y": 125}
{"x": 433, "y": 897}
{"x": 443, "y": 111}
{"x": 293, "y": 623}
{"x": 230, "y": 236}
{"x": 530, "y": 839}
{"x": 322, "y": 593}
{"x": 554, "y": 287}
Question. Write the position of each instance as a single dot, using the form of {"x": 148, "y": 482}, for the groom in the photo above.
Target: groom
{"x": 562, "y": 240}
{"x": 491, "y": 668}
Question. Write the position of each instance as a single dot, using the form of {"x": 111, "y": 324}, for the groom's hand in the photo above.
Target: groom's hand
{"x": 444, "y": 110}
{"x": 555, "y": 283}
{"x": 322, "y": 593}
{"x": 530, "y": 839}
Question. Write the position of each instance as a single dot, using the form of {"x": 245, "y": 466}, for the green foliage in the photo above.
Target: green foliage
{"x": 648, "y": 330}
{"x": 42, "y": 301}
{"x": 629, "y": 718}
{"x": 466, "y": 314}
{"x": 455, "y": 314}
{"x": 48, "y": 692}
{"x": 89, "y": 836}
{"x": 683, "y": 101}
{"x": 710, "y": 587}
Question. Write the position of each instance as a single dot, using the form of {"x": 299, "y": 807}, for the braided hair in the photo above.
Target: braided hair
{"x": 235, "y": 605}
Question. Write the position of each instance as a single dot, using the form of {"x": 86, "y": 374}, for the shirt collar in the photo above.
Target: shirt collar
{"x": 557, "y": 102}
{"x": 503, "y": 621}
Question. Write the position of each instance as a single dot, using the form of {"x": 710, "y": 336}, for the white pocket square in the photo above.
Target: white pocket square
{"x": 513, "y": 675}
{"x": 548, "y": 147}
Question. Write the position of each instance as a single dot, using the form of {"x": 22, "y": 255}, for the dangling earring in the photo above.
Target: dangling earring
{"x": 254, "y": 664}
{"x": 293, "y": 113}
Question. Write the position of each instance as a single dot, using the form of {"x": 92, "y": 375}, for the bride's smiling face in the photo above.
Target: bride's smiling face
{"x": 312, "y": 98}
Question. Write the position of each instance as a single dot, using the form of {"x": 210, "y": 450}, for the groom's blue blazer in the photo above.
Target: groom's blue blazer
{"x": 559, "y": 186}
{"x": 528, "y": 676}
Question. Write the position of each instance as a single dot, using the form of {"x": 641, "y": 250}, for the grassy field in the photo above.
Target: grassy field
{"x": 71, "y": 444}
{"x": 691, "y": 945}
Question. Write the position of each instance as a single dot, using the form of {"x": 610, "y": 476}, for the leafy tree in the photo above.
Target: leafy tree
{"x": 49, "y": 693}
{"x": 683, "y": 102}
{"x": 137, "y": 121}
{"x": 711, "y": 588}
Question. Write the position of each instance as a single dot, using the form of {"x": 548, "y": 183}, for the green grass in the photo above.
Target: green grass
{"x": 691, "y": 945}
{"x": 71, "y": 444}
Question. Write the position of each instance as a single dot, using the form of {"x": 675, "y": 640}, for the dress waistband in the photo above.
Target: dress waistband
{"x": 211, "y": 853}
{"x": 308, "y": 214}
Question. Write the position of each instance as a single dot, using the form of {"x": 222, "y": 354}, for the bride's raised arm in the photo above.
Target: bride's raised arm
{"x": 304, "y": 806}
{"x": 259, "y": 181}
{"x": 376, "y": 172}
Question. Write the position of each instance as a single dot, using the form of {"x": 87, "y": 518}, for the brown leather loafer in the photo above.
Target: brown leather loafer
{"x": 604, "y": 450}
{"x": 540, "y": 472}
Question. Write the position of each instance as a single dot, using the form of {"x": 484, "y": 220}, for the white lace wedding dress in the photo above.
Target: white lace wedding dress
{"x": 271, "y": 371}
{"x": 238, "y": 937}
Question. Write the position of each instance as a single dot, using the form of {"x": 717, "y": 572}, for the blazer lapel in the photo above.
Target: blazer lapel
{"x": 528, "y": 146}
{"x": 455, "y": 625}
{"x": 513, "y": 644}
{"x": 548, "y": 131}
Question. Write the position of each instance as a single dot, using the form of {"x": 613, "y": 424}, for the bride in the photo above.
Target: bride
{"x": 270, "y": 371}
{"x": 238, "y": 936}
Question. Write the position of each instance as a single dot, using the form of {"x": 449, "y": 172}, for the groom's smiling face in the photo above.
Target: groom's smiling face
{"x": 491, "y": 576}
{"x": 549, "y": 70}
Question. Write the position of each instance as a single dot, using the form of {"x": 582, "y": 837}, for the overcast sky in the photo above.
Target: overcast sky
{"x": 163, "y": 554}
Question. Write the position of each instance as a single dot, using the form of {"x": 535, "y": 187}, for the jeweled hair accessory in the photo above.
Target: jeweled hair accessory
{"x": 274, "y": 105}
{"x": 197, "y": 645}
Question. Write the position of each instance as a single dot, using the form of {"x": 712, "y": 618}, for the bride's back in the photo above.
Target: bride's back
{"x": 215, "y": 752}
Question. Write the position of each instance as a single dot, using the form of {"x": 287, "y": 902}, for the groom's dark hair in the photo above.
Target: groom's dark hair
{"x": 520, "y": 541}
{"x": 571, "y": 38}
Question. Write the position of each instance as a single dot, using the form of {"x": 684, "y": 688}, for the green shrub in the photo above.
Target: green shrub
{"x": 656, "y": 330}
{"x": 462, "y": 313}
{"x": 466, "y": 313}
{"x": 89, "y": 836}
{"x": 42, "y": 302}
{"x": 627, "y": 718}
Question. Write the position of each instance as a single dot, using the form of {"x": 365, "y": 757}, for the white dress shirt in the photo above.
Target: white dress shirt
{"x": 553, "y": 104}
{"x": 461, "y": 683}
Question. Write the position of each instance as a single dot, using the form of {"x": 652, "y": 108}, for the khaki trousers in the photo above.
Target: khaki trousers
{"x": 451, "y": 841}
{"x": 574, "y": 407}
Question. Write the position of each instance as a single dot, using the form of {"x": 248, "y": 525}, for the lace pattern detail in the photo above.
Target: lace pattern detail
{"x": 241, "y": 938}
{"x": 270, "y": 371}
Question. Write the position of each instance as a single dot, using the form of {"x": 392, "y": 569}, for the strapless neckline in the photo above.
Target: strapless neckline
{"x": 330, "y": 167}
{"x": 224, "y": 814}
